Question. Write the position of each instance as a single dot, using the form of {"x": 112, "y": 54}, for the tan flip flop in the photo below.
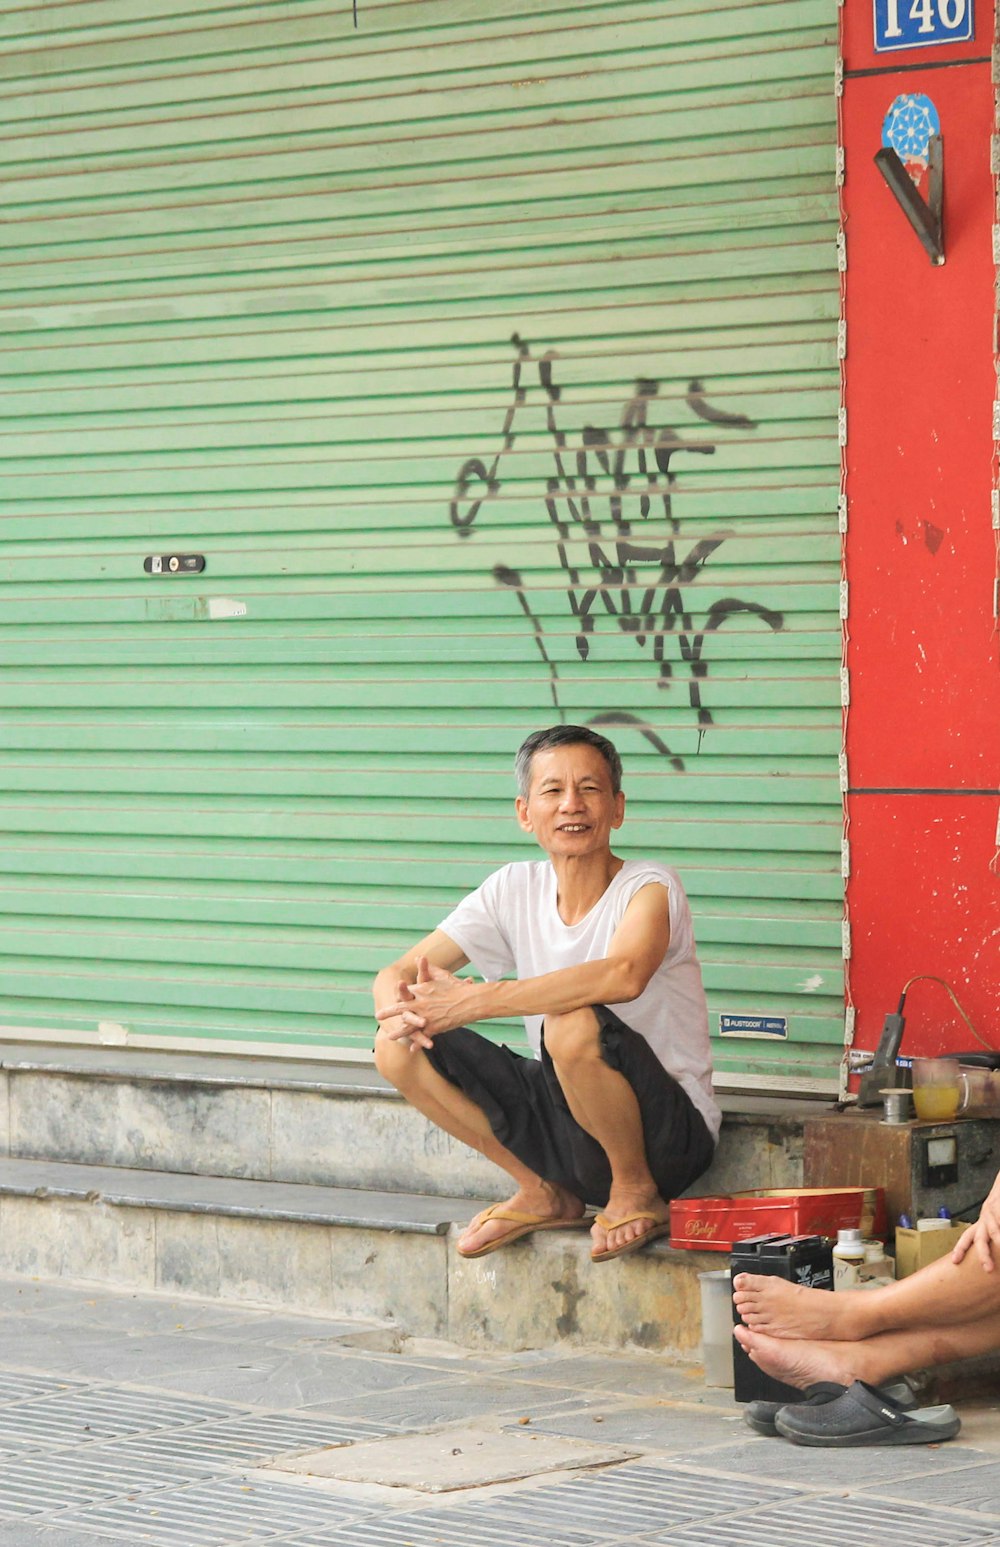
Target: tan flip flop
{"x": 658, "y": 1227}
{"x": 523, "y": 1224}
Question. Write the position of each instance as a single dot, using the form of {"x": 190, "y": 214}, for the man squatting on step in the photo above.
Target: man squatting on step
{"x": 948, "y": 1310}
{"x": 597, "y": 954}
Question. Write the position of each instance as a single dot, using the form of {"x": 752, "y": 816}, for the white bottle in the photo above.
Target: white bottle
{"x": 878, "y": 1268}
{"x": 848, "y": 1259}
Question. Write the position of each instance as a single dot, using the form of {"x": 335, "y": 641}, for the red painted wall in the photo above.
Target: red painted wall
{"x": 923, "y": 726}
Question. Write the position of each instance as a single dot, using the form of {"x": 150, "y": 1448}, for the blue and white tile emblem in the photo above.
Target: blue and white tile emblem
{"x": 908, "y": 127}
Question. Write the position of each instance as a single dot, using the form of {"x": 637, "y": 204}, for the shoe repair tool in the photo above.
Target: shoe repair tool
{"x": 883, "y": 1072}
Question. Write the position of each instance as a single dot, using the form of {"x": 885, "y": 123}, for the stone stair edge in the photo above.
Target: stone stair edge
{"x": 239, "y": 1197}
{"x": 195, "y": 1068}
{"x": 318, "y": 1077}
{"x": 302, "y": 1203}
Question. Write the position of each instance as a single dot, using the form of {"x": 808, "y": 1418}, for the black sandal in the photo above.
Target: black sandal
{"x": 865, "y": 1415}
{"x": 761, "y": 1415}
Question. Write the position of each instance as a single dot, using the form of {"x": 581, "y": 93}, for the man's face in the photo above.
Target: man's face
{"x": 570, "y": 808}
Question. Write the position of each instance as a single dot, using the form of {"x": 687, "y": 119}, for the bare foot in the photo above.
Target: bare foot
{"x": 785, "y": 1310}
{"x": 544, "y": 1202}
{"x": 798, "y": 1362}
{"x": 620, "y": 1205}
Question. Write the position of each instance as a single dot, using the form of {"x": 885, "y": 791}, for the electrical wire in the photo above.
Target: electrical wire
{"x": 957, "y": 1213}
{"x": 926, "y": 977}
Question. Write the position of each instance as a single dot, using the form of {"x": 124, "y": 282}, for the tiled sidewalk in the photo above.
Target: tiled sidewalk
{"x": 128, "y": 1419}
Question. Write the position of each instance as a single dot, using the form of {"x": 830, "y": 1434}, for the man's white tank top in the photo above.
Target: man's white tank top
{"x": 510, "y": 927}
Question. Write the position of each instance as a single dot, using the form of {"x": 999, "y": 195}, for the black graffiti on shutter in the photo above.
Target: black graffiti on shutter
{"x": 641, "y": 587}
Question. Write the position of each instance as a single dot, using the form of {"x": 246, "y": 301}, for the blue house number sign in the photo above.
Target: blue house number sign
{"x": 920, "y": 23}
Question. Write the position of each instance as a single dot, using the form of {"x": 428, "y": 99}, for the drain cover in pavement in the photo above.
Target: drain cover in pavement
{"x": 459, "y": 1458}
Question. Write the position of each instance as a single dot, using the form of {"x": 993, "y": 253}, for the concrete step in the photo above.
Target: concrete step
{"x": 342, "y": 1252}
{"x": 281, "y": 1121}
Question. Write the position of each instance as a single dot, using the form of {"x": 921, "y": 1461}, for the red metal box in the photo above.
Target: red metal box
{"x": 716, "y": 1224}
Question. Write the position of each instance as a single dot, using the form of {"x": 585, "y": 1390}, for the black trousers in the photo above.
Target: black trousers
{"x": 528, "y": 1112}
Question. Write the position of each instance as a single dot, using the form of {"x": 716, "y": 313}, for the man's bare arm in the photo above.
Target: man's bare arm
{"x": 441, "y": 1002}
{"x": 390, "y": 986}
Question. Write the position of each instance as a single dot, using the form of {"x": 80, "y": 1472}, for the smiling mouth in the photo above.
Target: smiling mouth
{"x": 574, "y": 827}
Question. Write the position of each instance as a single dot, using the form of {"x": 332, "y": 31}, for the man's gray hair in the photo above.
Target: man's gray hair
{"x": 564, "y": 736}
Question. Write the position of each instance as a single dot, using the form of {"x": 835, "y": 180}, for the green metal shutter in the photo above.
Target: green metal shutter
{"x": 491, "y": 366}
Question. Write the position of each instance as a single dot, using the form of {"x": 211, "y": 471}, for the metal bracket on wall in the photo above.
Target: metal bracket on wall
{"x": 924, "y": 215}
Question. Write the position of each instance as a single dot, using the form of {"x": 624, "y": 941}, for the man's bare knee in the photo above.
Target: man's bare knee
{"x": 572, "y": 1036}
{"x": 394, "y": 1060}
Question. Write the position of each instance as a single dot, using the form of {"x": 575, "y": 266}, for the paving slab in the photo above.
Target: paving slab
{"x": 834, "y": 1523}
{"x": 217, "y": 1513}
{"x": 272, "y": 1328}
{"x": 666, "y": 1426}
{"x": 124, "y": 1313}
{"x": 443, "y": 1462}
{"x": 276, "y": 1378}
{"x": 846, "y": 1470}
{"x": 24, "y": 1534}
{"x": 975, "y": 1488}
{"x": 623, "y": 1375}
{"x": 427, "y": 1406}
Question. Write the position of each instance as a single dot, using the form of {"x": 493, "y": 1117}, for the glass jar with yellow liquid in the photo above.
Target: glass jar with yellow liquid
{"x": 937, "y": 1088}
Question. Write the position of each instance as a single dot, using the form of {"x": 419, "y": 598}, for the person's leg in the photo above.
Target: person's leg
{"x": 605, "y": 1105}
{"x": 802, "y": 1362}
{"x": 942, "y": 1294}
{"x": 448, "y": 1107}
